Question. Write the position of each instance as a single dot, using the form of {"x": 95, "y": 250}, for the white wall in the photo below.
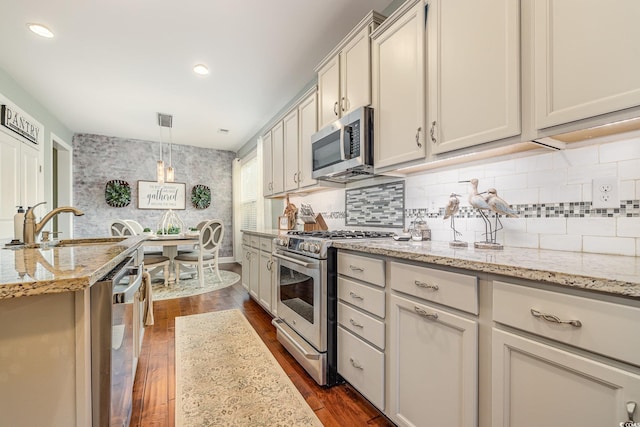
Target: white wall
{"x": 559, "y": 180}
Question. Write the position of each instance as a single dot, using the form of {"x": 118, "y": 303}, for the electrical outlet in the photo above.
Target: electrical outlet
{"x": 605, "y": 193}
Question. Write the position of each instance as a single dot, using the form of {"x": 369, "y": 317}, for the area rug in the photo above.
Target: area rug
{"x": 226, "y": 376}
{"x": 189, "y": 287}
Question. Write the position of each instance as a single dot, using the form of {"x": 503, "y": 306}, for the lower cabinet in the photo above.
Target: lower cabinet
{"x": 433, "y": 366}
{"x": 258, "y": 274}
{"x": 535, "y": 385}
{"x": 254, "y": 272}
{"x": 246, "y": 266}
{"x": 266, "y": 280}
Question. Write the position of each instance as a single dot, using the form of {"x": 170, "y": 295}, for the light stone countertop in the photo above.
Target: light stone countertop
{"x": 25, "y": 272}
{"x": 267, "y": 232}
{"x": 612, "y": 274}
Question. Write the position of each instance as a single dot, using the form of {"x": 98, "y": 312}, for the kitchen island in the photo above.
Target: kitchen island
{"x": 45, "y": 339}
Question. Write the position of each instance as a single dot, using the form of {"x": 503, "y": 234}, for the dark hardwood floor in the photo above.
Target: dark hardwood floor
{"x": 154, "y": 387}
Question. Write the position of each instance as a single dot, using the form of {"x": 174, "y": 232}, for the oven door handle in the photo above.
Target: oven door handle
{"x": 276, "y": 322}
{"x": 120, "y": 297}
{"x": 296, "y": 261}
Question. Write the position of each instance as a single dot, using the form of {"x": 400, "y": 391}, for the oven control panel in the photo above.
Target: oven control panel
{"x": 307, "y": 246}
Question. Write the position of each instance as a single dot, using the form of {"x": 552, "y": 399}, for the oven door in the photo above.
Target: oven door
{"x": 302, "y": 296}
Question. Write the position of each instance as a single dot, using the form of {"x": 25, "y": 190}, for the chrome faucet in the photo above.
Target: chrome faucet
{"x": 32, "y": 229}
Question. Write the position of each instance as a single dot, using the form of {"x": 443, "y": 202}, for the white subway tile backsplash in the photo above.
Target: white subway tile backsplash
{"x": 547, "y": 225}
{"x": 628, "y": 226}
{"x": 629, "y": 169}
{"x": 581, "y": 174}
{"x": 609, "y": 245}
{"x": 591, "y": 226}
{"x": 499, "y": 169}
{"x": 620, "y": 150}
{"x": 535, "y": 163}
{"x": 578, "y": 157}
{"x": 511, "y": 182}
{"x": 627, "y": 190}
{"x": 520, "y": 197}
{"x": 561, "y": 193}
{"x": 557, "y": 242}
{"x": 521, "y": 240}
{"x": 542, "y": 178}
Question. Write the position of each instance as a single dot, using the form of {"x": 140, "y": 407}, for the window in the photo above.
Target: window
{"x": 249, "y": 194}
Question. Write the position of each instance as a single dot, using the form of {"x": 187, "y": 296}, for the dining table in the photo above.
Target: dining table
{"x": 170, "y": 243}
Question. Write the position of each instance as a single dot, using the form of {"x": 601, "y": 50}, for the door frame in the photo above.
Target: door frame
{"x": 64, "y": 180}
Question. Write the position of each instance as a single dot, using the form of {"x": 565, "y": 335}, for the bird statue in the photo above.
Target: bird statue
{"x": 477, "y": 201}
{"x": 449, "y": 212}
{"x": 500, "y": 207}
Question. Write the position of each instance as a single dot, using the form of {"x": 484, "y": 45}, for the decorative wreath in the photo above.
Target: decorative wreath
{"x": 200, "y": 196}
{"x": 117, "y": 193}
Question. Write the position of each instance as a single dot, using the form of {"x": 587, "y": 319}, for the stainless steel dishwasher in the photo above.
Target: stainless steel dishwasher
{"x": 113, "y": 352}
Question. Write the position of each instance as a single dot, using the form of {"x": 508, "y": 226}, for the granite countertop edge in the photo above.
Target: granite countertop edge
{"x": 90, "y": 275}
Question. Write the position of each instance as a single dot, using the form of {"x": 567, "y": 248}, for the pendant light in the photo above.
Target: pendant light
{"x": 165, "y": 120}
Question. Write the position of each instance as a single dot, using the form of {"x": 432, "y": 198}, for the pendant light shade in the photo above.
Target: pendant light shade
{"x": 160, "y": 170}
{"x": 170, "y": 174}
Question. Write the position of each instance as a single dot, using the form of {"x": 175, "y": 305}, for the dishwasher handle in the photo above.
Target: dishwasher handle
{"x": 120, "y": 297}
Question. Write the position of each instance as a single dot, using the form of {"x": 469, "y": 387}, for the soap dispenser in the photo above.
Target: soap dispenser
{"x": 18, "y": 224}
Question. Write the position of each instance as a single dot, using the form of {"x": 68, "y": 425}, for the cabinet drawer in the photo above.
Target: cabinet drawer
{"x": 367, "y": 269}
{"x": 245, "y": 239}
{"x": 605, "y": 328}
{"x": 254, "y": 241}
{"x": 265, "y": 244}
{"x": 362, "y": 366}
{"x": 362, "y": 296}
{"x": 451, "y": 289}
{"x": 361, "y": 324}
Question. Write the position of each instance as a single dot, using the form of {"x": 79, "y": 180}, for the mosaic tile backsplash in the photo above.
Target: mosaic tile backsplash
{"x": 551, "y": 190}
{"x": 379, "y": 205}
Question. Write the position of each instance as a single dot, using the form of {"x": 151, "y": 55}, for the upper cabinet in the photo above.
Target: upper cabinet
{"x": 291, "y": 151}
{"x": 267, "y": 164}
{"x": 473, "y": 69}
{"x": 398, "y": 73}
{"x": 586, "y": 59}
{"x": 308, "y": 125}
{"x": 277, "y": 152}
{"x": 344, "y": 76}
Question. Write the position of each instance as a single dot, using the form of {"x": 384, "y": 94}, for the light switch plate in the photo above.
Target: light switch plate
{"x": 605, "y": 193}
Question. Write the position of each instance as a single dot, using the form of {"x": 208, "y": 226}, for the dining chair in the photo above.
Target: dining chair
{"x": 209, "y": 240}
{"x": 153, "y": 261}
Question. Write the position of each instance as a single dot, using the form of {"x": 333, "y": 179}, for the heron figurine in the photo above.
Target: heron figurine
{"x": 500, "y": 207}
{"x": 449, "y": 212}
{"x": 477, "y": 201}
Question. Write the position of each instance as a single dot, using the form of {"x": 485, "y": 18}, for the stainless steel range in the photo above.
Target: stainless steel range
{"x": 307, "y": 297}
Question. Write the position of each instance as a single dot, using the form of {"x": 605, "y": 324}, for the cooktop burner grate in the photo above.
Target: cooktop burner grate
{"x": 341, "y": 234}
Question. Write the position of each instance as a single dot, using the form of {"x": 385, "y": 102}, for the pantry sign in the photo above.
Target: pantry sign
{"x": 15, "y": 120}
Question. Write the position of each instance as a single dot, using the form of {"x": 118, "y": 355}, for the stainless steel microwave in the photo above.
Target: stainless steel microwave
{"x": 343, "y": 151}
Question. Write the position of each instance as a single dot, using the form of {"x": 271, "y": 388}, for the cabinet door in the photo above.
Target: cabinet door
{"x": 538, "y": 385}
{"x": 398, "y": 90}
{"x": 434, "y": 366}
{"x": 30, "y": 176}
{"x": 10, "y": 188}
{"x": 308, "y": 119}
{"x": 586, "y": 59}
{"x": 355, "y": 70}
{"x": 267, "y": 164}
{"x": 291, "y": 136}
{"x": 246, "y": 267}
{"x": 329, "y": 92}
{"x": 473, "y": 72}
{"x": 254, "y": 274}
{"x": 277, "y": 139}
{"x": 264, "y": 286}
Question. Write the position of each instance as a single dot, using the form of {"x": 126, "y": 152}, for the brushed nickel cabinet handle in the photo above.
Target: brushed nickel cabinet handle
{"x": 356, "y": 268}
{"x": 299, "y": 177}
{"x": 555, "y": 319}
{"x": 356, "y": 324}
{"x": 355, "y": 363}
{"x": 343, "y": 104}
{"x": 356, "y": 296}
{"x": 426, "y": 285}
{"x": 269, "y": 264}
{"x": 631, "y": 409}
{"x": 433, "y": 132}
{"x": 418, "y": 137}
{"x": 335, "y": 108}
{"x": 423, "y": 313}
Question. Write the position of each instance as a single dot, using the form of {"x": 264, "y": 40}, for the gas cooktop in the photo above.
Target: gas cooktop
{"x": 340, "y": 234}
{"x": 314, "y": 244}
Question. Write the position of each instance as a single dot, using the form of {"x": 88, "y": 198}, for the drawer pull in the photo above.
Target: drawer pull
{"x": 631, "y": 409}
{"x": 355, "y": 364}
{"x": 423, "y": 313}
{"x": 356, "y": 296}
{"x": 555, "y": 319}
{"x": 356, "y": 268}
{"x": 356, "y": 324}
{"x": 426, "y": 285}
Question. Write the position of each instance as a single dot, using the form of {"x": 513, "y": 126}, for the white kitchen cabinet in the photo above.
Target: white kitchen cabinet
{"x": 473, "y": 65}
{"x": 291, "y": 153}
{"x": 22, "y": 180}
{"x": 267, "y": 164}
{"x": 535, "y": 384}
{"x": 266, "y": 280}
{"x": 254, "y": 273}
{"x": 246, "y": 266}
{"x": 277, "y": 150}
{"x": 398, "y": 78}
{"x": 344, "y": 76}
{"x": 433, "y": 367}
{"x": 308, "y": 120}
{"x": 586, "y": 59}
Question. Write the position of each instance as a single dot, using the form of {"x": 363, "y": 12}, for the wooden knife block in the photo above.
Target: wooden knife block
{"x": 319, "y": 225}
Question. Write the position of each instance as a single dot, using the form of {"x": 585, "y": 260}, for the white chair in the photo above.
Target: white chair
{"x": 135, "y": 226}
{"x": 209, "y": 240}
{"x": 152, "y": 261}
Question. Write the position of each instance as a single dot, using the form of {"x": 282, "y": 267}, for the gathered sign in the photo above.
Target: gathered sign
{"x": 18, "y": 122}
{"x": 168, "y": 195}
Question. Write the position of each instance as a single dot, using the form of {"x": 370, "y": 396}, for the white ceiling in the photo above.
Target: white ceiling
{"x": 114, "y": 64}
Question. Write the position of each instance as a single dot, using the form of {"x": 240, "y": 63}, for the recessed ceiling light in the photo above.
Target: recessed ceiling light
{"x": 40, "y": 30}
{"x": 201, "y": 69}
